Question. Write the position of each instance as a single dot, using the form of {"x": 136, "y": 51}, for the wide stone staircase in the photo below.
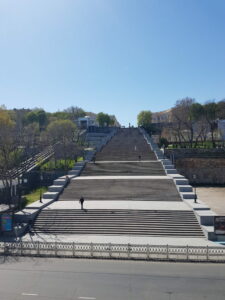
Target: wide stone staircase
{"x": 126, "y": 192}
{"x": 119, "y": 222}
{"x": 121, "y": 189}
{"x": 127, "y": 145}
{"x": 123, "y": 168}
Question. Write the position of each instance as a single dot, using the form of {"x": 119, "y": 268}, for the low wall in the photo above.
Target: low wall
{"x": 192, "y": 153}
{"x": 207, "y": 171}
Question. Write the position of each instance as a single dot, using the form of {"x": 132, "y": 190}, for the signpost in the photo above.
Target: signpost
{"x": 219, "y": 225}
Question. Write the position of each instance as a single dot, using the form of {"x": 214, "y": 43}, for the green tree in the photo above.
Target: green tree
{"x": 144, "y": 118}
{"x": 221, "y": 110}
{"x": 30, "y": 117}
{"x": 210, "y": 112}
{"x": 41, "y": 118}
{"x": 10, "y": 152}
{"x": 62, "y": 132}
{"x": 201, "y": 127}
{"x": 75, "y": 112}
{"x": 36, "y": 116}
{"x": 103, "y": 119}
{"x": 183, "y": 120}
{"x": 196, "y": 111}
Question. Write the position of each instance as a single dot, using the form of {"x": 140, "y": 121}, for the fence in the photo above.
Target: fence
{"x": 114, "y": 251}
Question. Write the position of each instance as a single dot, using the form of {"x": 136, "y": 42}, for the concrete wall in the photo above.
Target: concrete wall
{"x": 207, "y": 171}
{"x": 191, "y": 153}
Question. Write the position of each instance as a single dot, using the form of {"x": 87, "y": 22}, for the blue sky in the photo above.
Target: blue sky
{"x": 115, "y": 56}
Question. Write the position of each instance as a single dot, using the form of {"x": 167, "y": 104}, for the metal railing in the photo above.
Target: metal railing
{"x": 114, "y": 251}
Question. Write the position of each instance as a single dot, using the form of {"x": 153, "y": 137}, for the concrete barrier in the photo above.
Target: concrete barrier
{"x": 55, "y": 188}
{"x": 50, "y": 195}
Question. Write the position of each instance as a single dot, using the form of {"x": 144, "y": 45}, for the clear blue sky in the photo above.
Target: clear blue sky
{"x": 115, "y": 56}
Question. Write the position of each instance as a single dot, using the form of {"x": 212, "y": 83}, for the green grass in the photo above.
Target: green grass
{"x": 59, "y": 164}
{"x": 33, "y": 196}
{"x": 200, "y": 145}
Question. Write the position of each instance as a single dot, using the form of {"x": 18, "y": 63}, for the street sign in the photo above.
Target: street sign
{"x": 6, "y": 222}
{"x": 219, "y": 224}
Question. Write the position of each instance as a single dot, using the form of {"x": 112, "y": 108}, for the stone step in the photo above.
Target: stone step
{"x": 118, "y": 222}
{"x": 166, "y": 162}
{"x": 50, "y": 195}
{"x": 185, "y": 188}
{"x": 167, "y": 167}
{"x": 59, "y": 181}
{"x": 171, "y": 171}
{"x": 188, "y": 195}
{"x": 74, "y": 172}
{"x": 181, "y": 182}
{"x": 55, "y": 188}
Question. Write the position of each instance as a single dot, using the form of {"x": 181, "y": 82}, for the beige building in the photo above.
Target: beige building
{"x": 164, "y": 116}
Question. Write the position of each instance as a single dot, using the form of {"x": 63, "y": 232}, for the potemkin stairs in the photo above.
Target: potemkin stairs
{"x": 128, "y": 193}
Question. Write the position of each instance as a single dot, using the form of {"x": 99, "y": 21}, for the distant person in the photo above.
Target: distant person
{"x": 40, "y": 197}
{"x": 139, "y": 157}
{"x": 67, "y": 180}
{"x": 82, "y": 202}
{"x": 94, "y": 159}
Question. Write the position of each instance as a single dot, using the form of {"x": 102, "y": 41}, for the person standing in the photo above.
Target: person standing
{"x": 82, "y": 203}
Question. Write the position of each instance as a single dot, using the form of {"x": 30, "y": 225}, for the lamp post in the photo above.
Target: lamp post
{"x": 41, "y": 179}
{"x": 195, "y": 196}
{"x": 19, "y": 191}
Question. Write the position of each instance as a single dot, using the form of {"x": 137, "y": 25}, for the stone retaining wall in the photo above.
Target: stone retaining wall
{"x": 208, "y": 171}
{"x": 191, "y": 153}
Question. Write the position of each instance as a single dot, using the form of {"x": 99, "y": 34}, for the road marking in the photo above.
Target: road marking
{"x": 87, "y": 298}
{"x": 27, "y": 294}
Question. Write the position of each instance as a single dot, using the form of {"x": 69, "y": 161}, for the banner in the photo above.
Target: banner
{"x": 219, "y": 225}
{"x": 6, "y": 222}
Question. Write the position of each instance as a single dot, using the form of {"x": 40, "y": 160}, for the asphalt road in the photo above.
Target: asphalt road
{"x": 73, "y": 279}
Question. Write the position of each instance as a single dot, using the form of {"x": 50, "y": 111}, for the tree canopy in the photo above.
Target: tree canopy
{"x": 144, "y": 118}
{"x": 104, "y": 119}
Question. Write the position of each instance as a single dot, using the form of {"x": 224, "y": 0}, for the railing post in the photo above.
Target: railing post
{"x": 91, "y": 250}
{"x": 148, "y": 252}
{"x": 167, "y": 251}
{"x": 38, "y": 248}
{"x": 128, "y": 250}
{"x": 207, "y": 252}
{"x": 5, "y": 248}
{"x": 56, "y": 248}
{"x": 21, "y": 248}
{"x": 187, "y": 249}
{"x": 110, "y": 250}
{"x": 73, "y": 249}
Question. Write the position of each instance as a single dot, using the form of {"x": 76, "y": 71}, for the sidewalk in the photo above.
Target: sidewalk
{"x": 173, "y": 241}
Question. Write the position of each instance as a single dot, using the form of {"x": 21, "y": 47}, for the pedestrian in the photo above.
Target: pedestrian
{"x": 40, "y": 197}
{"x": 67, "y": 180}
{"x": 139, "y": 157}
{"x": 81, "y": 202}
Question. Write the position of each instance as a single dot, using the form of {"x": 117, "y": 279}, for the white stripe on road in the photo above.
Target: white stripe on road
{"x": 26, "y": 294}
{"x": 87, "y": 298}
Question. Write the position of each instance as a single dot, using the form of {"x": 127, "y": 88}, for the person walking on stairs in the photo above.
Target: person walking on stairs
{"x": 82, "y": 202}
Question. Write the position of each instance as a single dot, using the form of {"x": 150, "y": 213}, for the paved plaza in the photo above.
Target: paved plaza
{"x": 214, "y": 197}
